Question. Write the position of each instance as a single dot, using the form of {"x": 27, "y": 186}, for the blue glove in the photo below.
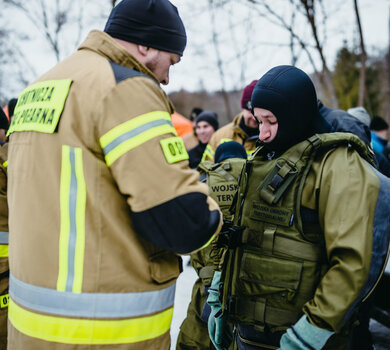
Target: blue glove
{"x": 220, "y": 332}
{"x": 304, "y": 336}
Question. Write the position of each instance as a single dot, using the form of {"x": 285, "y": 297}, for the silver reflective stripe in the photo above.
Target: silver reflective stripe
{"x": 133, "y": 133}
{"x": 72, "y": 221}
{"x": 4, "y": 237}
{"x": 90, "y": 305}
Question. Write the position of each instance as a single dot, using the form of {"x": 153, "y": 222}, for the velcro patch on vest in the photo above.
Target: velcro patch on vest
{"x": 174, "y": 149}
{"x": 272, "y": 215}
{"x": 39, "y": 106}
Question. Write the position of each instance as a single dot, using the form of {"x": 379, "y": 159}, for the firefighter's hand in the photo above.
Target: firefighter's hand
{"x": 219, "y": 330}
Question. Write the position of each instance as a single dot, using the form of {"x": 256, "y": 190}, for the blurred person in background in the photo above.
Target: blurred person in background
{"x": 243, "y": 129}
{"x": 222, "y": 178}
{"x": 206, "y": 124}
{"x": 4, "y": 234}
{"x": 191, "y": 140}
{"x": 378, "y": 136}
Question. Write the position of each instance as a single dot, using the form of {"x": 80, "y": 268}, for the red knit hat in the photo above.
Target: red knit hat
{"x": 247, "y": 94}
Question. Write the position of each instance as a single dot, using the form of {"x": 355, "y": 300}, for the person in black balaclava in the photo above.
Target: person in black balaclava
{"x": 309, "y": 249}
{"x": 290, "y": 95}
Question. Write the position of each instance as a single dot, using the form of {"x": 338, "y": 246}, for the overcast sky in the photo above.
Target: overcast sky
{"x": 249, "y": 43}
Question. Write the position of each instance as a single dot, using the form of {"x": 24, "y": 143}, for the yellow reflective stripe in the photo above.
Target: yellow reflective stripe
{"x": 5, "y": 164}
{"x": 72, "y": 230}
{"x": 225, "y": 140}
{"x": 249, "y": 152}
{"x": 135, "y": 132}
{"x": 3, "y": 250}
{"x": 86, "y": 331}
{"x": 65, "y": 223}
{"x": 40, "y": 106}
{"x": 208, "y": 152}
{"x": 80, "y": 223}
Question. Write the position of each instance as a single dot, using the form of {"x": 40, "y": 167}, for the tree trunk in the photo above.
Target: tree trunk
{"x": 362, "y": 84}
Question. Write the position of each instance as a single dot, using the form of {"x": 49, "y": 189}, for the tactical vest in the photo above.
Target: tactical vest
{"x": 277, "y": 257}
{"x": 222, "y": 179}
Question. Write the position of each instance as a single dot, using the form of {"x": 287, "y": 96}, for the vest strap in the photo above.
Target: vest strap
{"x": 206, "y": 272}
{"x": 268, "y": 238}
{"x": 260, "y": 312}
{"x": 306, "y": 251}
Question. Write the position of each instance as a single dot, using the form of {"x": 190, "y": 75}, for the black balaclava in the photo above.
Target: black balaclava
{"x": 152, "y": 23}
{"x": 290, "y": 95}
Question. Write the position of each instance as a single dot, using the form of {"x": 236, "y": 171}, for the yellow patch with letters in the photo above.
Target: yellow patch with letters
{"x": 40, "y": 106}
{"x": 174, "y": 149}
{"x": 4, "y": 300}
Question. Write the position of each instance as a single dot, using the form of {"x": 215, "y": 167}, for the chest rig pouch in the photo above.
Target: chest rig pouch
{"x": 222, "y": 180}
{"x": 278, "y": 261}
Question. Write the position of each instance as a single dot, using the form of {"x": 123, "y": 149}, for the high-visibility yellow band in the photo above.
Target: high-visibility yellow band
{"x": 84, "y": 331}
{"x": 40, "y": 106}
{"x": 208, "y": 153}
{"x": 135, "y": 132}
{"x": 72, "y": 231}
{"x": 3, "y": 250}
{"x": 225, "y": 140}
{"x": 5, "y": 164}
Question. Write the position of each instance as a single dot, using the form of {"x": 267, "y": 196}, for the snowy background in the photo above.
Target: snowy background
{"x": 184, "y": 285}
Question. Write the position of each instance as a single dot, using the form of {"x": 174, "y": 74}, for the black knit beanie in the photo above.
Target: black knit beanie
{"x": 289, "y": 94}
{"x": 152, "y": 23}
{"x": 209, "y": 117}
{"x": 227, "y": 150}
{"x": 378, "y": 123}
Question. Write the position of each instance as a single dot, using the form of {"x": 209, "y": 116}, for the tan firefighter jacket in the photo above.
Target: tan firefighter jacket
{"x": 230, "y": 132}
{"x": 4, "y": 269}
{"x": 107, "y": 201}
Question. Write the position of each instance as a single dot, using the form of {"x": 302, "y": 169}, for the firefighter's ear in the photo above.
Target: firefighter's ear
{"x": 143, "y": 50}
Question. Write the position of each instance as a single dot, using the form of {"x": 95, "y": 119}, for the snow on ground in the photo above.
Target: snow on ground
{"x": 380, "y": 333}
{"x": 182, "y": 298}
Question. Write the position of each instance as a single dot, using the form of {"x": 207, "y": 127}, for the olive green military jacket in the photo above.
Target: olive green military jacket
{"x": 349, "y": 217}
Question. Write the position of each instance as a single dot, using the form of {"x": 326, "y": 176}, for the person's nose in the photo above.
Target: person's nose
{"x": 264, "y": 132}
{"x": 165, "y": 81}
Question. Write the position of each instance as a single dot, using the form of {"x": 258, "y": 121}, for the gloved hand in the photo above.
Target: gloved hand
{"x": 304, "y": 336}
{"x": 220, "y": 332}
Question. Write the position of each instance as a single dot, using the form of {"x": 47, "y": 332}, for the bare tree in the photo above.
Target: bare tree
{"x": 362, "y": 84}
{"x": 51, "y": 18}
{"x": 221, "y": 71}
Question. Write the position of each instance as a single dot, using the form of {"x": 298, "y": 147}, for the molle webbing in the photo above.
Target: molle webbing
{"x": 260, "y": 312}
{"x": 274, "y": 243}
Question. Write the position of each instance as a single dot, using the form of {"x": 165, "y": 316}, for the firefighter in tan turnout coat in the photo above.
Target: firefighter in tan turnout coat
{"x": 102, "y": 183}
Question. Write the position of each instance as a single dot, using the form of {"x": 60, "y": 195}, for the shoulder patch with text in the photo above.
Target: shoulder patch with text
{"x": 174, "y": 149}
{"x": 39, "y": 106}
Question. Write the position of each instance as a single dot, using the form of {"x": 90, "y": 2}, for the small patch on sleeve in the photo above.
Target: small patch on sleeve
{"x": 174, "y": 149}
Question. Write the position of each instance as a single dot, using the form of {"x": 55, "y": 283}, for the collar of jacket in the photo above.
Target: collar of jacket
{"x": 236, "y": 126}
{"x": 105, "y": 45}
{"x": 238, "y": 131}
